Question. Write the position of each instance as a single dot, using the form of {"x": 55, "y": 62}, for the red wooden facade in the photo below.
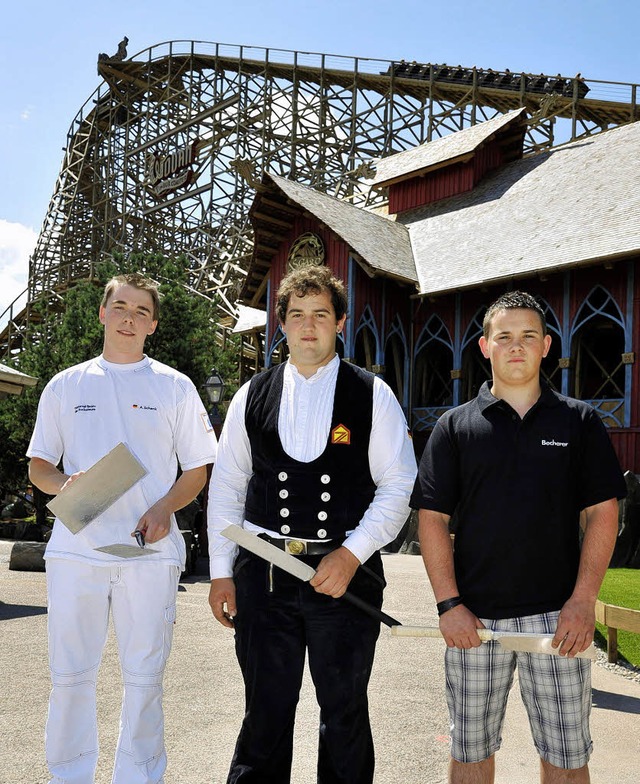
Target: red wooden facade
{"x": 426, "y": 347}
{"x": 446, "y": 181}
{"x": 384, "y": 306}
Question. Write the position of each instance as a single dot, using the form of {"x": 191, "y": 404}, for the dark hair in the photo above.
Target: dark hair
{"x": 138, "y": 281}
{"x": 510, "y": 301}
{"x": 311, "y": 280}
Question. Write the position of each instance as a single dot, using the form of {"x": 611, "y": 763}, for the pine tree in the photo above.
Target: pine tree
{"x": 186, "y": 339}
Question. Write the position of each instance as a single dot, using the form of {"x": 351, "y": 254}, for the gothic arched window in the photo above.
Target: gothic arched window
{"x": 432, "y": 384}
{"x": 550, "y": 367}
{"x": 475, "y": 368}
{"x": 279, "y": 351}
{"x": 597, "y": 345}
{"x": 366, "y": 343}
{"x": 395, "y": 360}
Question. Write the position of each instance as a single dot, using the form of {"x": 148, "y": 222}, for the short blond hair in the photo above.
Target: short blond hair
{"x": 138, "y": 281}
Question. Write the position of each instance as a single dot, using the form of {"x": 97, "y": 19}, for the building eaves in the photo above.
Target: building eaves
{"x": 13, "y": 381}
{"x": 455, "y": 147}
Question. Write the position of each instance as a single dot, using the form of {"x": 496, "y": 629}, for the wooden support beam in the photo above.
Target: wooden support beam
{"x": 279, "y": 205}
{"x": 272, "y": 219}
{"x": 12, "y": 389}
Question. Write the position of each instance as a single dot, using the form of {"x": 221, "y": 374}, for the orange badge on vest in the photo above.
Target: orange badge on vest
{"x": 340, "y": 435}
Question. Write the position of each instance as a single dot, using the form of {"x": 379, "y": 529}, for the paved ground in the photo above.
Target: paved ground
{"x": 203, "y": 696}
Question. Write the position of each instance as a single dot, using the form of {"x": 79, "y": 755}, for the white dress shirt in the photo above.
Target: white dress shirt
{"x": 304, "y": 421}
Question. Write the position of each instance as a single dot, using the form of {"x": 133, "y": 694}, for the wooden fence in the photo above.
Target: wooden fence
{"x": 615, "y": 618}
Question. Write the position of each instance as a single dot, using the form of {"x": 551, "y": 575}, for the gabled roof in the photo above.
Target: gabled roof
{"x": 572, "y": 205}
{"x": 455, "y": 147}
{"x": 380, "y": 243}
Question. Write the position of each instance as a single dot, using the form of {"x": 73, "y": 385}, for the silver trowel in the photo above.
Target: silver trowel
{"x": 97, "y": 489}
{"x": 513, "y": 641}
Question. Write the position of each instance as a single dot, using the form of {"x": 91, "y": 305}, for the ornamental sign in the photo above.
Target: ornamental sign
{"x": 166, "y": 173}
{"x": 306, "y": 251}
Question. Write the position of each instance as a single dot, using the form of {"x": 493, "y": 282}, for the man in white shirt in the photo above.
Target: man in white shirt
{"x": 85, "y": 411}
{"x": 315, "y": 457}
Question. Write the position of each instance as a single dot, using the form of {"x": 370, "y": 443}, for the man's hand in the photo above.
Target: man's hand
{"x": 459, "y": 628}
{"x": 48, "y": 478}
{"x": 576, "y": 625}
{"x": 222, "y": 600}
{"x": 334, "y": 572}
{"x": 155, "y": 523}
{"x": 71, "y": 479}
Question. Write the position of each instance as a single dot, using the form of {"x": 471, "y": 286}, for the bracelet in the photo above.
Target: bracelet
{"x": 448, "y": 604}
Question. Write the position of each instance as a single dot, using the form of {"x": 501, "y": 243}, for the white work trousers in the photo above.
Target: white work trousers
{"x": 142, "y": 600}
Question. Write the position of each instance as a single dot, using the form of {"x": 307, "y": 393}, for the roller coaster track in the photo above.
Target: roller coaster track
{"x": 166, "y": 154}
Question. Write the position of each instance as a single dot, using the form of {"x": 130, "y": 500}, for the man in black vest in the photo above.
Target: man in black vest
{"x": 314, "y": 457}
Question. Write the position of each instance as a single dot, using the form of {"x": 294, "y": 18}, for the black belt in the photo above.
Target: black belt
{"x": 302, "y": 547}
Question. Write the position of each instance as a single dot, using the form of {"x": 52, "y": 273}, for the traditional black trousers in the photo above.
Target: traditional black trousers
{"x": 280, "y": 618}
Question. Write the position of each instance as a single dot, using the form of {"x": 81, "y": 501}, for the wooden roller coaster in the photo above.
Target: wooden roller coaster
{"x": 166, "y": 154}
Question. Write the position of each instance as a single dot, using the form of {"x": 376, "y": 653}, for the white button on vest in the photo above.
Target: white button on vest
{"x": 325, "y": 479}
{"x": 322, "y": 516}
{"x": 284, "y": 512}
{"x": 284, "y": 494}
{"x": 325, "y": 497}
{"x": 322, "y": 533}
{"x": 284, "y": 529}
{"x": 283, "y": 476}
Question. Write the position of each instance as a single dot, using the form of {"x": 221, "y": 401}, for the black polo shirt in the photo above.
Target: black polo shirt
{"x": 515, "y": 488}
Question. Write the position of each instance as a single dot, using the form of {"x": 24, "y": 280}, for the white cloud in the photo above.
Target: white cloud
{"x": 25, "y": 114}
{"x": 16, "y": 244}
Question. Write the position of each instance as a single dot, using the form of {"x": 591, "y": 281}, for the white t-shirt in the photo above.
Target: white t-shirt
{"x": 155, "y": 411}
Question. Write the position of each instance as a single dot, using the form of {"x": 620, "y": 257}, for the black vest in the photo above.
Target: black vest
{"x": 328, "y": 496}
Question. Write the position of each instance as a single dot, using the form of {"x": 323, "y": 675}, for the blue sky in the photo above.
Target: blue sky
{"x": 48, "y": 54}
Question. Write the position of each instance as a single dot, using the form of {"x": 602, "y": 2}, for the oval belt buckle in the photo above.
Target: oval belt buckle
{"x": 295, "y": 547}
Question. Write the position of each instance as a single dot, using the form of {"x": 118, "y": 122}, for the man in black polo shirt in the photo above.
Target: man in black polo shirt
{"x": 520, "y": 468}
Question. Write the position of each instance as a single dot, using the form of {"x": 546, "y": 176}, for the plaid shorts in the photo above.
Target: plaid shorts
{"x": 556, "y": 692}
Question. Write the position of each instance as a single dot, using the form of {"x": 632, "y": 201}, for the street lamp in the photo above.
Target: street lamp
{"x": 214, "y": 387}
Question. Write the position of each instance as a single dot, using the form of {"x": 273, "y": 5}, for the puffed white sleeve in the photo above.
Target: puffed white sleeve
{"x": 393, "y": 468}
{"x": 228, "y": 486}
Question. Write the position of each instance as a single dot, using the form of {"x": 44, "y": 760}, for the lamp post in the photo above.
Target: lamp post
{"x": 214, "y": 387}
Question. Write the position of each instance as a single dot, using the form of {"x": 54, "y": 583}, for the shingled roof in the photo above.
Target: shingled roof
{"x": 449, "y": 149}
{"x": 572, "y": 205}
{"x": 380, "y": 243}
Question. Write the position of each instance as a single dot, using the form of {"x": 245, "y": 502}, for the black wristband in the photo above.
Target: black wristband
{"x": 448, "y": 604}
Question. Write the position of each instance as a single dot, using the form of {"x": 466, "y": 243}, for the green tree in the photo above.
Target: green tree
{"x": 185, "y": 339}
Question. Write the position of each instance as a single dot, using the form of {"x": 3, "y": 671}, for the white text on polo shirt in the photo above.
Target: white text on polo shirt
{"x": 554, "y": 443}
